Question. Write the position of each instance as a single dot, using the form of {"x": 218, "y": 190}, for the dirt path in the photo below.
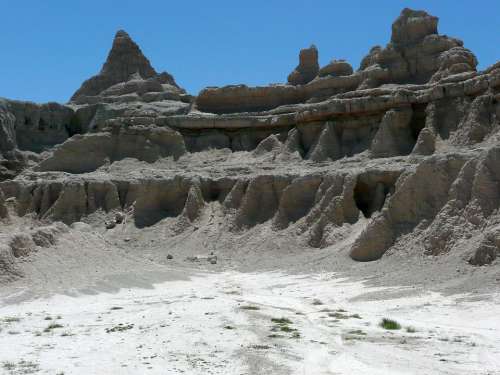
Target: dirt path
{"x": 235, "y": 323}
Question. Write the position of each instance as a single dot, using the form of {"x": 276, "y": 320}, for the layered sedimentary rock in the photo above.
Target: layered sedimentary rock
{"x": 126, "y": 72}
{"x": 401, "y": 154}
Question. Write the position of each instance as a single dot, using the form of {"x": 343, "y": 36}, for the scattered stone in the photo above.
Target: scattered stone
{"x": 110, "y": 224}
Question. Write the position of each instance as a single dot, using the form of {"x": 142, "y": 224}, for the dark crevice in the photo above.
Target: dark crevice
{"x": 371, "y": 191}
{"x": 417, "y": 120}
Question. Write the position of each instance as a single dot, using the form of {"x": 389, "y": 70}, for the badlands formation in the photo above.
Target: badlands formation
{"x": 387, "y": 176}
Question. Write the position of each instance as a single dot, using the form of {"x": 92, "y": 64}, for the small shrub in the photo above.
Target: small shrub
{"x": 275, "y": 336}
{"x": 281, "y": 320}
{"x": 119, "y": 328}
{"x": 390, "y": 324}
{"x": 285, "y": 328}
{"x": 229, "y": 327}
{"x": 52, "y": 326}
{"x": 249, "y": 307}
{"x": 411, "y": 329}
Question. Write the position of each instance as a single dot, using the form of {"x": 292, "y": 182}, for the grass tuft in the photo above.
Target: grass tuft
{"x": 281, "y": 320}
{"x": 52, "y": 326}
{"x": 249, "y": 307}
{"x": 390, "y": 324}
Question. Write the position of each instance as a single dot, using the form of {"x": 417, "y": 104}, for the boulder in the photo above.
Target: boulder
{"x": 336, "y": 68}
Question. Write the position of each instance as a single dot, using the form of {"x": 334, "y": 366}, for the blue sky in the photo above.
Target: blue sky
{"x": 50, "y": 47}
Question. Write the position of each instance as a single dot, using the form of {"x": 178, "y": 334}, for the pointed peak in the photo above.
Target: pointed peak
{"x": 122, "y": 34}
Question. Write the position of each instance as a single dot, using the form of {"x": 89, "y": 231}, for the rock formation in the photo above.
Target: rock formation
{"x": 308, "y": 67}
{"x": 336, "y": 68}
{"x": 401, "y": 154}
{"x": 126, "y": 71}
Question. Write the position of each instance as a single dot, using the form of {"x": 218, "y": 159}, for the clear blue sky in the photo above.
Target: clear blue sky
{"x": 50, "y": 47}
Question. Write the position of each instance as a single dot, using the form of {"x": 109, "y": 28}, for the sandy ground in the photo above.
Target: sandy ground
{"x": 250, "y": 323}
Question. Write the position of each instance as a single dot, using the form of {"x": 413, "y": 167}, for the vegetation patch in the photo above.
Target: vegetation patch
{"x": 281, "y": 321}
{"x": 52, "y": 326}
{"x": 120, "y": 328}
{"x": 250, "y": 307}
{"x": 275, "y": 336}
{"x": 390, "y": 324}
{"x": 341, "y": 315}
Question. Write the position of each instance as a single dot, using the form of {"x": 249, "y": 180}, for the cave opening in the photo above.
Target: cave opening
{"x": 418, "y": 118}
{"x": 369, "y": 196}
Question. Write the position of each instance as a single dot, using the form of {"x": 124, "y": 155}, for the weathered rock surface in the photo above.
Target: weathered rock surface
{"x": 308, "y": 67}
{"x": 336, "y": 68}
{"x": 399, "y": 156}
{"x": 126, "y": 72}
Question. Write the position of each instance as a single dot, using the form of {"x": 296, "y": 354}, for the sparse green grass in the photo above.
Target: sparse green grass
{"x": 250, "y": 307}
{"x": 281, "y": 320}
{"x": 286, "y": 328}
{"x": 411, "y": 329}
{"x": 119, "y": 328}
{"x": 341, "y": 315}
{"x": 275, "y": 336}
{"x": 52, "y": 326}
{"x": 283, "y": 325}
{"x": 390, "y": 324}
{"x": 338, "y": 315}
